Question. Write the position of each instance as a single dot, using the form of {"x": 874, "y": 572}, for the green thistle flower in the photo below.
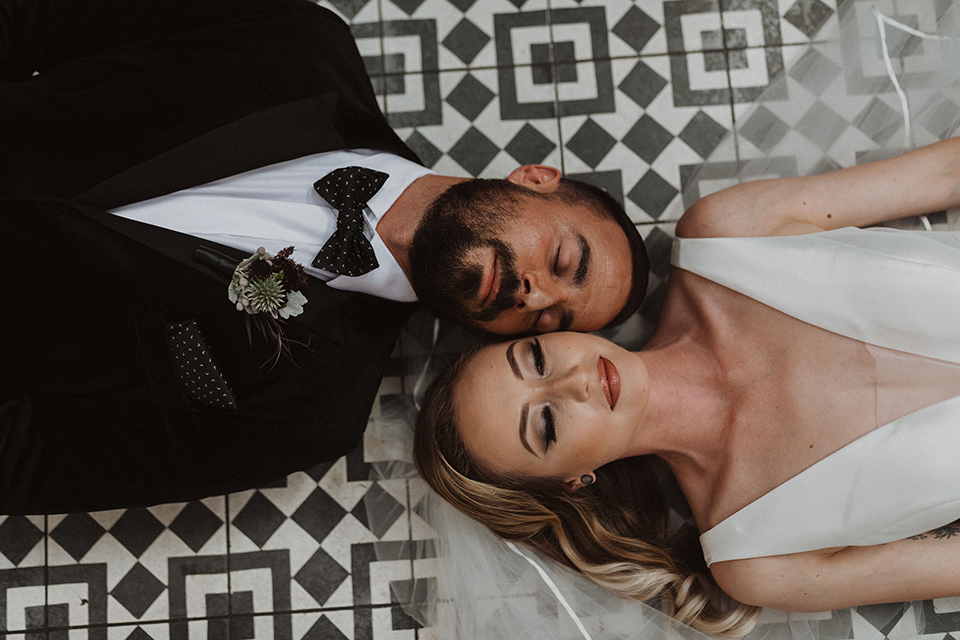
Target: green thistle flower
{"x": 267, "y": 295}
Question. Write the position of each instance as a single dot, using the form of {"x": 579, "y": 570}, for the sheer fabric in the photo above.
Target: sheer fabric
{"x": 840, "y": 100}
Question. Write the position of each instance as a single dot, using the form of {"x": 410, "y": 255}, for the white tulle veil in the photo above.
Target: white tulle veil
{"x": 880, "y": 77}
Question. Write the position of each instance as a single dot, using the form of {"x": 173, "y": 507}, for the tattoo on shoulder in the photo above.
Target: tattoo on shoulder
{"x": 951, "y": 530}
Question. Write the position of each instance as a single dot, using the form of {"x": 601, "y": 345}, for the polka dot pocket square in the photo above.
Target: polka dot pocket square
{"x": 199, "y": 375}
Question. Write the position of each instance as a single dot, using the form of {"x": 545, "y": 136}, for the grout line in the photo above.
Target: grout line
{"x": 226, "y": 515}
{"x": 162, "y": 621}
{"x": 46, "y": 570}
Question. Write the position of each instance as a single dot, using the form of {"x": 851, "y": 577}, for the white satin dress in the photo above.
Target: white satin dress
{"x": 896, "y": 290}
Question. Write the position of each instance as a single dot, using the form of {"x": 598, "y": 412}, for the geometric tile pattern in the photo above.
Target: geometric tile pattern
{"x": 630, "y": 95}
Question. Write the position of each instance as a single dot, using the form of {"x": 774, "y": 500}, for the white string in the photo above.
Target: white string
{"x": 904, "y": 107}
{"x": 553, "y": 588}
{"x": 426, "y": 366}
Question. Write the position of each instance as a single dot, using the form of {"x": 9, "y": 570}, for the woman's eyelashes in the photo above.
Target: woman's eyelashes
{"x": 537, "y": 352}
{"x": 549, "y": 428}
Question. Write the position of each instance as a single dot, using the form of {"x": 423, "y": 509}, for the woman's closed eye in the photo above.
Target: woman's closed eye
{"x": 537, "y": 351}
{"x": 549, "y": 428}
{"x": 548, "y": 431}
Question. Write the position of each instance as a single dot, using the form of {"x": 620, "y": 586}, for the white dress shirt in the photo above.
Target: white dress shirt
{"x": 276, "y": 206}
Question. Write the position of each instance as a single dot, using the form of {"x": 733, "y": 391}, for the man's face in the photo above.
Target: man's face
{"x": 550, "y": 265}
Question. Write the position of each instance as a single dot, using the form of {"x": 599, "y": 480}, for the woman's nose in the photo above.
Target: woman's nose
{"x": 575, "y": 384}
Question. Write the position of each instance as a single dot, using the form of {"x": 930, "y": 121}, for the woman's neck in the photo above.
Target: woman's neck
{"x": 688, "y": 413}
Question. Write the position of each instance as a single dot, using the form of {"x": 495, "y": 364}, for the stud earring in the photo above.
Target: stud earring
{"x": 586, "y": 479}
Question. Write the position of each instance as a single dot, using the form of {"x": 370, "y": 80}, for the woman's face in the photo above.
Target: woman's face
{"x": 557, "y": 405}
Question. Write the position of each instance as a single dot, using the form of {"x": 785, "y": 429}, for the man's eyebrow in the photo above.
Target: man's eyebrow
{"x": 523, "y": 428}
{"x": 580, "y": 275}
{"x": 512, "y": 361}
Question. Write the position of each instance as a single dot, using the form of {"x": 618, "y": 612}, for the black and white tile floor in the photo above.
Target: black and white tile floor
{"x": 628, "y": 94}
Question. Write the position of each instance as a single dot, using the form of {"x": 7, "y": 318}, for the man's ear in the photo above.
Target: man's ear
{"x": 537, "y": 177}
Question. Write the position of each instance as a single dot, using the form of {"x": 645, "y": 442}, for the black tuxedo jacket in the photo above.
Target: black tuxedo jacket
{"x": 131, "y": 100}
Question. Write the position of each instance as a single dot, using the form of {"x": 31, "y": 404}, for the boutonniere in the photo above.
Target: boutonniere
{"x": 269, "y": 289}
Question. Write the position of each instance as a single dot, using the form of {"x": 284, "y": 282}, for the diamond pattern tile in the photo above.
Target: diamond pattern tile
{"x": 591, "y": 143}
{"x": 196, "y": 524}
{"x": 136, "y": 530}
{"x": 258, "y": 519}
{"x": 18, "y": 537}
{"x": 636, "y": 28}
{"x": 530, "y": 146}
{"x": 470, "y": 97}
{"x": 808, "y": 16}
{"x": 77, "y": 533}
{"x": 138, "y": 590}
{"x": 466, "y": 40}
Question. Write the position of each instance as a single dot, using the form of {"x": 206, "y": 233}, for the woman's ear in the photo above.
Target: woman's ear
{"x": 537, "y": 177}
{"x": 585, "y": 480}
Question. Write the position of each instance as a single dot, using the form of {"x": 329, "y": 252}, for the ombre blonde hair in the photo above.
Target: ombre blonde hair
{"x": 614, "y": 531}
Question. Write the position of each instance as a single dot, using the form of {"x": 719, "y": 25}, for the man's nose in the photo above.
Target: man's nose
{"x": 537, "y": 292}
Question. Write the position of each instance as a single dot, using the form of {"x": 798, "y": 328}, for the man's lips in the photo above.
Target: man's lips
{"x": 488, "y": 292}
{"x": 609, "y": 381}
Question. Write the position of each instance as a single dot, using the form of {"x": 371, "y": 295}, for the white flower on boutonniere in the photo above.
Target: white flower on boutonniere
{"x": 269, "y": 289}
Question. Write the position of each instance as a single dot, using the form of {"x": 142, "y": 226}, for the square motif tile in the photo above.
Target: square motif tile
{"x": 22, "y": 599}
{"x": 132, "y": 550}
{"x": 637, "y": 151}
{"x": 462, "y": 31}
{"x": 911, "y": 57}
{"x": 473, "y": 138}
{"x": 813, "y": 118}
{"x": 363, "y": 16}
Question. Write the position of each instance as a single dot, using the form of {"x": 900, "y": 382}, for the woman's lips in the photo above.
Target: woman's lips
{"x": 609, "y": 381}
{"x": 489, "y": 293}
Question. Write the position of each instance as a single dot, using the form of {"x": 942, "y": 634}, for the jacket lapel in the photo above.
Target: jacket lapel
{"x": 281, "y": 133}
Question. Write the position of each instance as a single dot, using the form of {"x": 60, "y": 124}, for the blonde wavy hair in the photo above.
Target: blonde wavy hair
{"x": 614, "y": 531}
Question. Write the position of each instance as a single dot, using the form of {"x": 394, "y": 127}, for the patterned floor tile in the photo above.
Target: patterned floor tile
{"x": 126, "y": 564}
{"x": 329, "y": 625}
{"x": 464, "y": 32}
{"x": 21, "y": 541}
{"x": 634, "y": 27}
{"x": 22, "y": 597}
{"x": 363, "y": 18}
{"x": 480, "y": 131}
{"x": 156, "y": 631}
{"x": 637, "y": 149}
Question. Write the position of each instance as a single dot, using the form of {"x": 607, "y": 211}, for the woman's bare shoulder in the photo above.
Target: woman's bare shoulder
{"x": 750, "y": 209}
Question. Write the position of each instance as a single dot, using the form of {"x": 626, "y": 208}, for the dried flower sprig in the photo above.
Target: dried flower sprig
{"x": 269, "y": 288}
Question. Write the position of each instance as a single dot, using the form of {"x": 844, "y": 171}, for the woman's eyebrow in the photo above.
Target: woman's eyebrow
{"x": 523, "y": 429}
{"x": 512, "y": 361}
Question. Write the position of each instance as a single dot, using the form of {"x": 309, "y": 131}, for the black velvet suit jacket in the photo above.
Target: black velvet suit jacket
{"x": 135, "y": 99}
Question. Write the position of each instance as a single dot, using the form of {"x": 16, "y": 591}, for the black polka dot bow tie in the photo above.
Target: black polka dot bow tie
{"x": 348, "y": 252}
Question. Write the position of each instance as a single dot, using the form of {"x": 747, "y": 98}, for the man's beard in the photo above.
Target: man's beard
{"x": 443, "y": 277}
